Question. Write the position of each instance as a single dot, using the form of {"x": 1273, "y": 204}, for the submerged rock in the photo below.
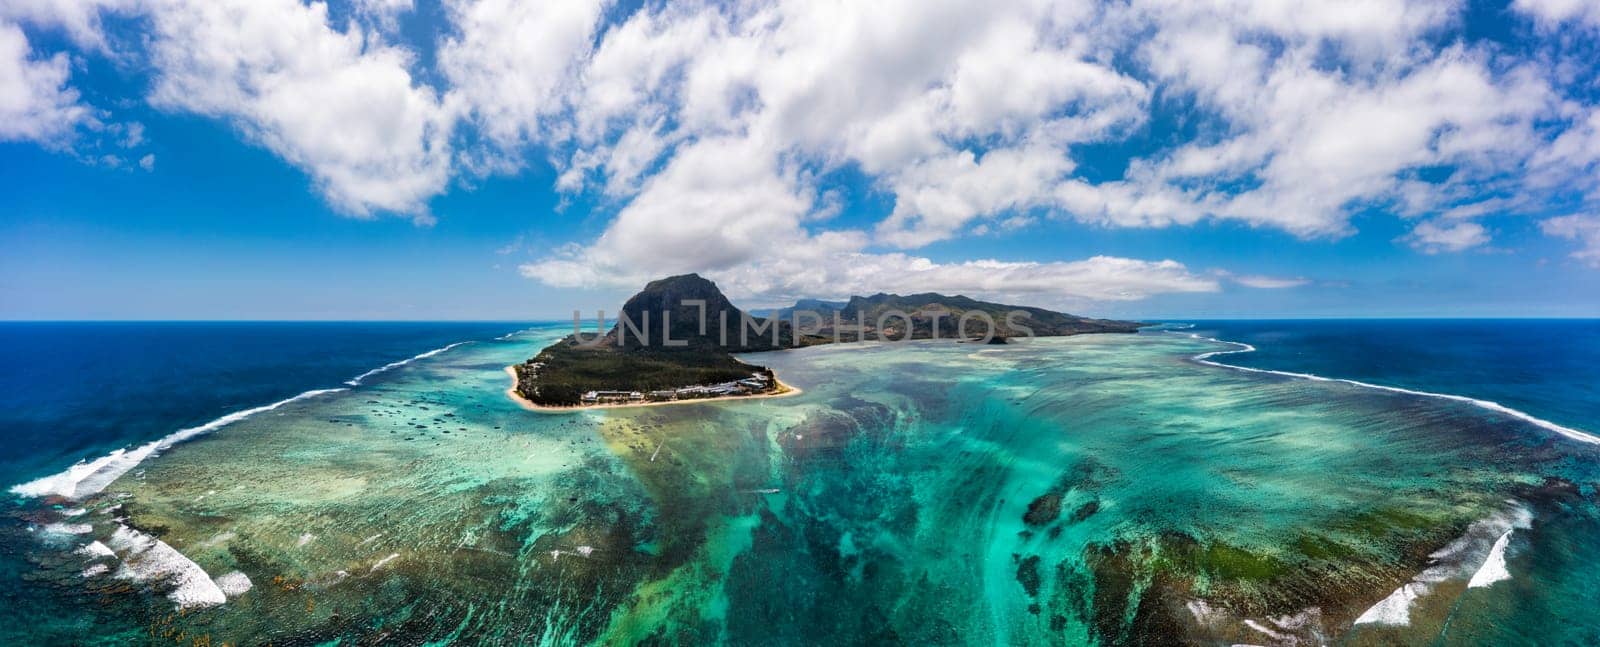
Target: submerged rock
{"x": 1043, "y": 510}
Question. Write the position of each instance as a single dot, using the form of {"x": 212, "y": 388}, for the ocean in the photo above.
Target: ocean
{"x": 1549, "y": 368}
{"x": 1101, "y": 489}
{"x": 78, "y": 390}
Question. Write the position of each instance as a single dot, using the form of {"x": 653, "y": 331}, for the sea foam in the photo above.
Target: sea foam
{"x": 89, "y": 477}
{"x": 145, "y": 558}
{"x": 59, "y": 528}
{"x": 1454, "y": 562}
{"x": 1494, "y": 568}
{"x": 234, "y": 584}
{"x": 1574, "y": 434}
{"x": 96, "y": 550}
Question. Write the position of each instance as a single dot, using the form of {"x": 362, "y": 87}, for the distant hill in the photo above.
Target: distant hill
{"x": 929, "y": 309}
{"x": 824, "y": 308}
{"x": 663, "y": 341}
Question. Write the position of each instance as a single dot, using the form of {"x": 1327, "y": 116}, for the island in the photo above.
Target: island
{"x": 677, "y": 341}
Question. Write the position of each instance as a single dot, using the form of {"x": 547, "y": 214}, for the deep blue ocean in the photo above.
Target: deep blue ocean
{"x": 1547, "y": 368}
{"x": 77, "y": 390}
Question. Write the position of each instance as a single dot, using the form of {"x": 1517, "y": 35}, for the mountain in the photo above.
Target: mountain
{"x": 823, "y": 308}
{"x": 664, "y": 314}
{"x": 660, "y": 342}
{"x": 862, "y": 316}
{"x": 681, "y": 331}
{"x": 1009, "y": 320}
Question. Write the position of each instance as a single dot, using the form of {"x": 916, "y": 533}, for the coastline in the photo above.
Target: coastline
{"x": 511, "y": 392}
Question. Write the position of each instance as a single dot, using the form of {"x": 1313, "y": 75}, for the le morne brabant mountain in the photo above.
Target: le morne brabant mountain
{"x": 676, "y": 339}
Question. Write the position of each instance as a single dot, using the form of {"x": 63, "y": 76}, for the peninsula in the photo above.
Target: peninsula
{"x": 677, "y": 338}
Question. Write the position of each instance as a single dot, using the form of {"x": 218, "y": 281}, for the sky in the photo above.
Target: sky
{"x": 517, "y": 160}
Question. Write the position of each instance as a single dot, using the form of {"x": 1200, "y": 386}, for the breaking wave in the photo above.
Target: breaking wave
{"x": 356, "y": 381}
{"x": 89, "y": 477}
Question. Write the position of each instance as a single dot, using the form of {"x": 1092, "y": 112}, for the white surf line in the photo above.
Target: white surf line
{"x": 1205, "y": 358}
{"x": 513, "y": 333}
{"x": 89, "y": 477}
{"x": 356, "y": 381}
{"x": 383, "y": 561}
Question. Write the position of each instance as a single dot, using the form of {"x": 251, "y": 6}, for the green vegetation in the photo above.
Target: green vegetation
{"x": 560, "y": 374}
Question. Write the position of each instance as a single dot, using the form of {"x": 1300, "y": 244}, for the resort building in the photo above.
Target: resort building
{"x": 612, "y": 396}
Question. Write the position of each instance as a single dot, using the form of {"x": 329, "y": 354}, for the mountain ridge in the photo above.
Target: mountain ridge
{"x": 681, "y": 331}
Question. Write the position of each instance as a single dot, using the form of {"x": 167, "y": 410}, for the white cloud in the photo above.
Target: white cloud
{"x": 1581, "y": 228}
{"x": 80, "y": 20}
{"x": 715, "y": 131}
{"x": 894, "y": 88}
{"x": 1550, "y": 14}
{"x": 342, "y": 105}
{"x": 933, "y": 199}
{"x": 1572, "y": 160}
{"x": 1268, "y": 282}
{"x": 1294, "y": 156}
{"x": 148, "y": 162}
{"x": 717, "y": 124}
{"x": 132, "y": 134}
{"x": 719, "y": 203}
{"x": 839, "y": 273}
{"x": 745, "y": 232}
{"x": 384, "y": 13}
{"x": 1434, "y": 237}
{"x": 36, "y": 103}
{"x": 510, "y": 62}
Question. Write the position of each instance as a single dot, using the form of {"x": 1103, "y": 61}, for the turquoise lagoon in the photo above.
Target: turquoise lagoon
{"x": 1084, "y": 490}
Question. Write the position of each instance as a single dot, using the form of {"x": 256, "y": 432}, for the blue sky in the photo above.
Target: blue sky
{"x": 481, "y": 159}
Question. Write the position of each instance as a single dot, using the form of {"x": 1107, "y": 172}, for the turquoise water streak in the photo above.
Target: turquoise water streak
{"x": 1094, "y": 489}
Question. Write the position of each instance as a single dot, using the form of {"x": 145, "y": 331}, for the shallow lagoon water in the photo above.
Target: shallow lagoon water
{"x": 1094, "y": 489}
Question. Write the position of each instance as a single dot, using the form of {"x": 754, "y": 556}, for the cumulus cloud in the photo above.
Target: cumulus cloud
{"x": 80, "y": 20}
{"x": 384, "y": 13}
{"x": 342, "y": 105}
{"x": 834, "y": 271}
{"x": 1552, "y": 13}
{"x": 716, "y": 133}
{"x": 1304, "y": 144}
{"x": 978, "y": 132}
{"x": 1572, "y": 160}
{"x": 510, "y": 64}
{"x": 981, "y": 125}
{"x": 36, "y": 102}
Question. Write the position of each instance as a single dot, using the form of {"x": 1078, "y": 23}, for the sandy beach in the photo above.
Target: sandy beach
{"x": 511, "y": 392}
